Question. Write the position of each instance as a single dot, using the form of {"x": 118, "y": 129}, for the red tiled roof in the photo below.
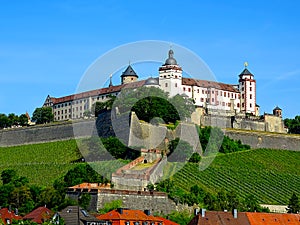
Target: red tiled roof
{"x": 96, "y": 92}
{"x": 208, "y": 84}
{"x": 166, "y": 221}
{"x": 128, "y": 214}
{"x": 6, "y": 214}
{"x": 39, "y": 215}
{"x": 220, "y": 218}
{"x": 273, "y": 218}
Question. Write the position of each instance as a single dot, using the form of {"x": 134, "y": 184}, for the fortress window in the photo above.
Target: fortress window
{"x": 221, "y": 93}
{"x": 197, "y": 90}
{"x": 62, "y": 111}
{"x": 223, "y": 103}
{"x": 58, "y": 113}
{"x": 224, "y": 94}
{"x": 212, "y": 92}
{"x": 231, "y": 95}
{"x": 243, "y": 105}
{"x": 250, "y": 105}
{"x": 202, "y": 91}
{"x": 175, "y": 84}
{"x": 189, "y": 89}
{"x": 229, "y": 104}
{"x": 250, "y": 88}
{"x": 184, "y": 89}
{"x": 217, "y": 92}
{"x": 238, "y": 105}
{"x": 166, "y": 84}
{"x": 202, "y": 99}
{"x": 213, "y": 100}
{"x": 243, "y": 96}
{"x": 250, "y": 96}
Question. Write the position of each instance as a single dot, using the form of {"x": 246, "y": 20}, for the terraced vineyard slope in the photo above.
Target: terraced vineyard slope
{"x": 270, "y": 175}
{"x": 40, "y": 163}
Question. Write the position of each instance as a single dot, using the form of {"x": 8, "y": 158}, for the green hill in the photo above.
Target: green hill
{"x": 40, "y": 163}
{"x": 270, "y": 175}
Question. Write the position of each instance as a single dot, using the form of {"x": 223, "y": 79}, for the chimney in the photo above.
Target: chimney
{"x": 147, "y": 212}
{"x": 203, "y": 212}
{"x": 235, "y": 213}
{"x": 196, "y": 211}
{"x": 120, "y": 210}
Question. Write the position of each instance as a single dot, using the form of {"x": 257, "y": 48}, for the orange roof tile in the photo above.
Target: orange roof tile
{"x": 273, "y": 218}
{"x": 128, "y": 214}
{"x": 39, "y": 215}
{"x": 6, "y": 214}
{"x": 166, "y": 221}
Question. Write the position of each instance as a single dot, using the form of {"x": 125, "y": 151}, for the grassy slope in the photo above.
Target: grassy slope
{"x": 40, "y": 163}
{"x": 271, "y": 175}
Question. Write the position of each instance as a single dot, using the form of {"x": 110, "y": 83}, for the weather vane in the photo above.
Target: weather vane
{"x": 246, "y": 64}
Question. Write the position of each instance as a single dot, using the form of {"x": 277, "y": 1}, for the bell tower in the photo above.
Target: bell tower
{"x": 247, "y": 88}
{"x": 170, "y": 75}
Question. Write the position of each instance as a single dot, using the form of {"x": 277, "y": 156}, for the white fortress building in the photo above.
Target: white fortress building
{"x": 237, "y": 98}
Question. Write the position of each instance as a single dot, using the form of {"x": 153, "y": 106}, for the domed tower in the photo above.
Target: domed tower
{"x": 129, "y": 75}
{"x": 170, "y": 75}
{"x": 247, "y": 88}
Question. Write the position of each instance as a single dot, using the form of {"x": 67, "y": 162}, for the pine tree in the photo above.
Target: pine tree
{"x": 294, "y": 204}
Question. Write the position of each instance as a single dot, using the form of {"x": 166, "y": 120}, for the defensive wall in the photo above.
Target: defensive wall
{"x": 157, "y": 202}
{"x": 87, "y": 128}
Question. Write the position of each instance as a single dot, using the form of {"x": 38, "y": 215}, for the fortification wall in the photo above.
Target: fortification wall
{"x": 156, "y": 202}
{"x": 266, "y": 140}
{"x": 46, "y": 133}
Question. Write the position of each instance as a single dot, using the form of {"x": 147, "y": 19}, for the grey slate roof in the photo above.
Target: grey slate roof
{"x": 129, "y": 72}
{"x": 246, "y": 72}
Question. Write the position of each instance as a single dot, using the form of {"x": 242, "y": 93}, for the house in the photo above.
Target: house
{"x": 244, "y": 218}
{"x": 123, "y": 216}
{"x": 8, "y": 215}
{"x": 39, "y": 215}
{"x": 75, "y": 215}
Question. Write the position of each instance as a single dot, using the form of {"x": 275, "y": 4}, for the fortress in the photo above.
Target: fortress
{"x": 234, "y": 104}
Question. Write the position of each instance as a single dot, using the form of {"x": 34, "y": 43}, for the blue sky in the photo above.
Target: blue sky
{"x": 46, "y": 46}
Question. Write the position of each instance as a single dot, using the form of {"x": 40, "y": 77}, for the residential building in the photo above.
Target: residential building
{"x": 122, "y": 216}
{"x": 244, "y": 218}
{"x": 8, "y": 215}
{"x": 39, "y": 215}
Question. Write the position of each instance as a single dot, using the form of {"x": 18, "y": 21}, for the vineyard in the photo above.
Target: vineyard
{"x": 40, "y": 163}
{"x": 272, "y": 176}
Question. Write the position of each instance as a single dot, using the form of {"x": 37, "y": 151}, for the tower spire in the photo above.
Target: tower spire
{"x": 110, "y": 81}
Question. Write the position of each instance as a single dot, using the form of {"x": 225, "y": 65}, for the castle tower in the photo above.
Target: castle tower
{"x": 129, "y": 75}
{"x": 277, "y": 112}
{"x": 247, "y": 88}
{"x": 170, "y": 76}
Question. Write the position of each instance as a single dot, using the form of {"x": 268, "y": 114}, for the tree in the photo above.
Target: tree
{"x": 84, "y": 200}
{"x": 8, "y": 175}
{"x": 294, "y": 204}
{"x": 293, "y": 125}
{"x": 179, "y": 151}
{"x": 151, "y": 103}
{"x": 43, "y": 115}
{"x": 195, "y": 158}
{"x": 251, "y": 204}
{"x": 4, "y": 121}
{"x": 182, "y": 217}
{"x": 111, "y": 206}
